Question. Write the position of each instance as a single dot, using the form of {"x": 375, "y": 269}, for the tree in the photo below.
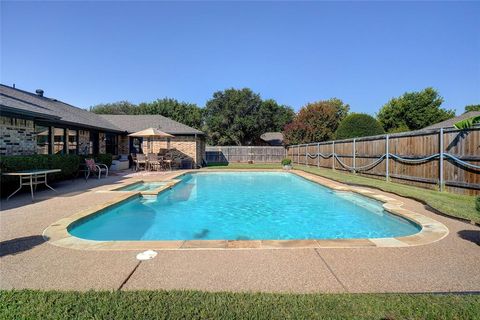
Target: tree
{"x": 358, "y": 125}
{"x": 472, "y": 107}
{"x": 273, "y": 117}
{"x": 120, "y": 107}
{"x": 413, "y": 111}
{"x": 316, "y": 122}
{"x": 183, "y": 112}
{"x": 240, "y": 116}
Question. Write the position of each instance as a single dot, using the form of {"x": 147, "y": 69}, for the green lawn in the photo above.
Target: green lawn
{"x": 455, "y": 205}
{"x": 202, "y": 305}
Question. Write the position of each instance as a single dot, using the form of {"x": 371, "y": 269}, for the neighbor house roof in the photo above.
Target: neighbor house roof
{"x": 450, "y": 122}
{"x": 22, "y": 102}
{"x": 272, "y": 138}
{"x": 134, "y": 123}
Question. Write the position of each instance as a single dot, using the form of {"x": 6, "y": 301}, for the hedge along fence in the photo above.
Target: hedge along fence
{"x": 256, "y": 154}
{"x": 68, "y": 163}
{"x": 447, "y": 159}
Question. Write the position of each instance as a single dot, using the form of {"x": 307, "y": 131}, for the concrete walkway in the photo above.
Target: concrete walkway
{"x": 26, "y": 261}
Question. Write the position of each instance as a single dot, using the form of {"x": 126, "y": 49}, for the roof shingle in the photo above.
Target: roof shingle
{"x": 12, "y": 99}
{"x": 134, "y": 123}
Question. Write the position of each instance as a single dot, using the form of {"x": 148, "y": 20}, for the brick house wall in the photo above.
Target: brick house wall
{"x": 17, "y": 136}
{"x": 188, "y": 146}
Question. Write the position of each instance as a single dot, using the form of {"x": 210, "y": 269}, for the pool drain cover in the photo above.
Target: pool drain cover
{"x": 146, "y": 255}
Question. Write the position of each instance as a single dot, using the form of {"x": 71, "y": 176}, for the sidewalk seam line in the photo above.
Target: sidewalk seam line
{"x": 330, "y": 269}
{"x": 129, "y": 276}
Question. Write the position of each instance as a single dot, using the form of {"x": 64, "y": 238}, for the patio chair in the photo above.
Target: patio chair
{"x": 140, "y": 160}
{"x": 166, "y": 163}
{"x": 95, "y": 168}
{"x": 153, "y": 161}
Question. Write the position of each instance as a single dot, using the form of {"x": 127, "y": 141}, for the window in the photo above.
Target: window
{"x": 58, "y": 140}
{"x": 111, "y": 143}
{"x": 136, "y": 145}
{"x": 43, "y": 139}
{"x": 72, "y": 141}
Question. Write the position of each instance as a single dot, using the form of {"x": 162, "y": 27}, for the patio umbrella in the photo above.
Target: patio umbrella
{"x": 151, "y": 133}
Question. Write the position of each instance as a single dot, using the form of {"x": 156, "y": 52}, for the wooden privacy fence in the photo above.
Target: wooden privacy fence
{"x": 447, "y": 159}
{"x": 226, "y": 154}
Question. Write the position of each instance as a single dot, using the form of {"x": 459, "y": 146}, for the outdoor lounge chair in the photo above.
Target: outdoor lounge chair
{"x": 140, "y": 160}
{"x": 95, "y": 168}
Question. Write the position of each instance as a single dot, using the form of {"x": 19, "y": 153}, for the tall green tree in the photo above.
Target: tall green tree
{"x": 183, "y": 112}
{"x": 240, "y": 116}
{"x": 120, "y": 107}
{"x": 413, "y": 111}
{"x": 472, "y": 107}
{"x": 358, "y": 125}
{"x": 316, "y": 122}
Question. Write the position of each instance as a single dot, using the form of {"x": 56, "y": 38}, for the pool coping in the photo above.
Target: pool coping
{"x": 153, "y": 192}
{"x": 431, "y": 230}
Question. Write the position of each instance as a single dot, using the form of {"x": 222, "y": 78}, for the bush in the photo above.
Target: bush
{"x": 68, "y": 163}
{"x": 358, "y": 125}
{"x": 477, "y": 204}
{"x": 286, "y": 162}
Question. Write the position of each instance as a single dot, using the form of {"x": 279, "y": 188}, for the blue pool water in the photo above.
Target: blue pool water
{"x": 143, "y": 186}
{"x": 246, "y": 205}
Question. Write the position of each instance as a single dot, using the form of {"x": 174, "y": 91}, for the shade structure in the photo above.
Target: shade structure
{"x": 151, "y": 132}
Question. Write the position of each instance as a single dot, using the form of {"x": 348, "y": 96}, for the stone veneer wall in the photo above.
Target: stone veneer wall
{"x": 84, "y": 142}
{"x": 123, "y": 145}
{"x": 17, "y": 136}
{"x": 102, "y": 146}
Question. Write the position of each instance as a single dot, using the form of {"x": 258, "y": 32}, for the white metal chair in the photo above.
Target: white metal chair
{"x": 95, "y": 168}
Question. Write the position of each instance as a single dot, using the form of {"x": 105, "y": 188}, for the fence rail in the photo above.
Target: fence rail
{"x": 446, "y": 159}
{"x": 226, "y": 154}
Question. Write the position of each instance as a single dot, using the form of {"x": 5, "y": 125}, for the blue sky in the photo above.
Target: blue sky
{"x": 361, "y": 52}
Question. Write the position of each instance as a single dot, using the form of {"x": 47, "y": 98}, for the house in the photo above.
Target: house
{"x": 31, "y": 123}
{"x": 272, "y": 139}
{"x": 450, "y": 122}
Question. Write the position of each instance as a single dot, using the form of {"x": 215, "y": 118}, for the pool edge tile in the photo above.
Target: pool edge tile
{"x": 431, "y": 230}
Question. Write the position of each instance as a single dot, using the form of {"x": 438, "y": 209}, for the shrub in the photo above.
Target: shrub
{"x": 286, "y": 162}
{"x": 68, "y": 163}
{"x": 358, "y": 125}
{"x": 477, "y": 204}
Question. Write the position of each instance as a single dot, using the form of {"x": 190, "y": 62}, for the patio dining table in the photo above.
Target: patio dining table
{"x": 31, "y": 178}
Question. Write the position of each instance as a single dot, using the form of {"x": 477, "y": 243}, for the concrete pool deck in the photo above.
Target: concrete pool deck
{"x": 27, "y": 261}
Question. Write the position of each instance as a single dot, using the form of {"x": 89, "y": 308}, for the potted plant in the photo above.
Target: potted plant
{"x": 287, "y": 164}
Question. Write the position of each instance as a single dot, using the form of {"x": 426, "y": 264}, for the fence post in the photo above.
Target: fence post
{"x": 333, "y": 155}
{"x": 354, "y": 156}
{"x": 298, "y": 154}
{"x": 306, "y": 158}
{"x": 441, "y": 178}
{"x": 387, "y": 158}
{"x": 318, "y": 154}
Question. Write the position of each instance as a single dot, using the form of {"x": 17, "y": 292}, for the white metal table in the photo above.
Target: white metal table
{"x": 31, "y": 178}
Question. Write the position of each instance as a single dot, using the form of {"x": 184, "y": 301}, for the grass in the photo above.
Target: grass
{"x": 455, "y": 205}
{"x": 27, "y": 304}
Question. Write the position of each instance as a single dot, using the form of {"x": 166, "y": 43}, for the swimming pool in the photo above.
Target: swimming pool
{"x": 244, "y": 206}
